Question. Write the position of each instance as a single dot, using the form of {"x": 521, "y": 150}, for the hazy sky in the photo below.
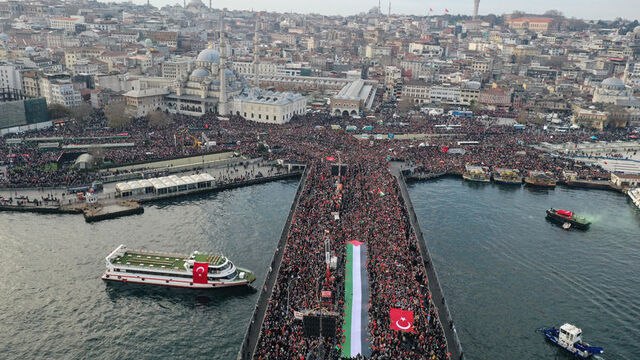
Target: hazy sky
{"x": 586, "y": 9}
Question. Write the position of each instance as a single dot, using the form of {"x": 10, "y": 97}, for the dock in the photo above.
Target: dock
{"x": 99, "y": 212}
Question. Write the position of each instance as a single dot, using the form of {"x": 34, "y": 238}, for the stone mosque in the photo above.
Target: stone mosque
{"x": 212, "y": 87}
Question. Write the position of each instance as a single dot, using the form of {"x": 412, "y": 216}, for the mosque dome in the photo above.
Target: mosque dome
{"x": 199, "y": 73}
{"x": 613, "y": 83}
{"x": 209, "y": 55}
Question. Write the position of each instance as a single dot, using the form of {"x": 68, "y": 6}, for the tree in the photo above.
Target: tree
{"x": 159, "y": 120}
{"x": 116, "y": 116}
{"x": 81, "y": 113}
{"x": 57, "y": 111}
{"x": 554, "y": 13}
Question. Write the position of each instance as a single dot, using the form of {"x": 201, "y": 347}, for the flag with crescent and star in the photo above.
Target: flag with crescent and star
{"x": 401, "y": 320}
{"x": 200, "y": 271}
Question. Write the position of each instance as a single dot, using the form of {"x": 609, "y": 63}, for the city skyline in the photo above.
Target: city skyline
{"x": 587, "y": 9}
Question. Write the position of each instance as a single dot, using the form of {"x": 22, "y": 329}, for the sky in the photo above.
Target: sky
{"x": 584, "y": 9}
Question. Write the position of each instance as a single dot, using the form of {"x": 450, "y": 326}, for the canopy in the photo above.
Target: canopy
{"x": 565, "y": 213}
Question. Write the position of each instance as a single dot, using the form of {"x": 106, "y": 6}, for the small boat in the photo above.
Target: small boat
{"x": 476, "y": 173}
{"x": 569, "y": 337}
{"x": 540, "y": 179}
{"x": 507, "y": 176}
{"x": 567, "y": 219}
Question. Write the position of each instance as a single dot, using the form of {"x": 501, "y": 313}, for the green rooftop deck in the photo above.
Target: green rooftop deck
{"x": 213, "y": 260}
{"x": 162, "y": 261}
{"x": 150, "y": 261}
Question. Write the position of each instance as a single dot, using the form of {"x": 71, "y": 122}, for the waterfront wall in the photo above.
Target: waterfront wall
{"x": 437, "y": 296}
{"x": 252, "y": 334}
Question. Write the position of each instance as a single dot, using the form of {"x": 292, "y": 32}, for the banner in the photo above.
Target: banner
{"x": 401, "y": 320}
{"x": 356, "y": 298}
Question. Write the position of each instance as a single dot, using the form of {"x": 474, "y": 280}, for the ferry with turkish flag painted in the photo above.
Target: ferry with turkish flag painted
{"x": 194, "y": 271}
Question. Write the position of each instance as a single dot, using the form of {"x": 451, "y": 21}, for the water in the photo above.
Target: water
{"x": 53, "y": 304}
{"x": 506, "y": 271}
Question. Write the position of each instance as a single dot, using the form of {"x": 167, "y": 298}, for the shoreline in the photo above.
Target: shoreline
{"x": 574, "y": 184}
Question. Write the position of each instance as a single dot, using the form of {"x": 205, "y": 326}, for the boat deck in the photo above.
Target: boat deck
{"x": 164, "y": 261}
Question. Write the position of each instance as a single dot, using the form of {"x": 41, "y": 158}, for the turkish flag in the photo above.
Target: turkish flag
{"x": 200, "y": 271}
{"x": 444, "y": 149}
{"x": 330, "y": 158}
{"x": 401, "y": 320}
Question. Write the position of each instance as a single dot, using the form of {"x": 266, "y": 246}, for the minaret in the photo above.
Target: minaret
{"x": 476, "y": 5}
{"x": 256, "y": 52}
{"x": 222, "y": 102}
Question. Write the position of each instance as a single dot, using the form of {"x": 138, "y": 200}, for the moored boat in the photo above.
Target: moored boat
{"x": 567, "y": 219}
{"x": 540, "y": 179}
{"x": 634, "y": 195}
{"x": 476, "y": 173}
{"x": 507, "y": 176}
{"x": 569, "y": 337}
{"x": 194, "y": 271}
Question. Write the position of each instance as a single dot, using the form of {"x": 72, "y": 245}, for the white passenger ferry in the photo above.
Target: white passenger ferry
{"x": 194, "y": 271}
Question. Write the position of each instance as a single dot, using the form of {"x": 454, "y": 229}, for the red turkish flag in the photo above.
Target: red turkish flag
{"x": 444, "y": 149}
{"x": 401, "y": 320}
{"x": 200, "y": 271}
{"x": 330, "y": 158}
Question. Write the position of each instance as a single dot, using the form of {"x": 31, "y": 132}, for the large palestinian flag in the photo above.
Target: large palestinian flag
{"x": 356, "y": 297}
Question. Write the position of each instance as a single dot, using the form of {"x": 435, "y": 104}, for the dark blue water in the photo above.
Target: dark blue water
{"x": 53, "y": 304}
{"x": 506, "y": 271}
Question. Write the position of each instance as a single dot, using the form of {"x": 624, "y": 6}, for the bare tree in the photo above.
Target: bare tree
{"x": 81, "y": 113}
{"x": 116, "y": 116}
{"x": 57, "y": 111}
{"x": 159, "y": 120}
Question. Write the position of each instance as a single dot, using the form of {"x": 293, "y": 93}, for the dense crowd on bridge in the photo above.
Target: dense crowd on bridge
{"x": 371, "y": 210}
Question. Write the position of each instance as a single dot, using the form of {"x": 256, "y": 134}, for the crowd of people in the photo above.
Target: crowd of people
{"x": 371, "y": 210}
{"x": 366, "y": 196}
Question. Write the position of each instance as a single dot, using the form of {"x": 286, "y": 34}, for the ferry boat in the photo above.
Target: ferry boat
{"x": 476, "y": 173}
{"x": 507, "y": 176}
{"x": 567, "y": 219}
{"x": 540, "y": 179}
{"x": 634, "y": 194}
{"x": 194, "y": 271}
{"x": 569, "y": 337}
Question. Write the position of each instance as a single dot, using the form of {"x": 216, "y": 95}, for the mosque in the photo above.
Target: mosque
{"x": 612, "y": 91}
{"x": 212, "y": 87}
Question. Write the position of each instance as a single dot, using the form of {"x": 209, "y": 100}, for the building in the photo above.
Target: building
{"x": 612, "y": 91}
{"x": 10, "y": 77}
{"x": 590, "y": 118}
{"x": 268, "y": 106}
{"x": 21, "y": 114}
{"x": 536, "y": 24}
{"x": 177, "y": 68}
{"x": 60, "y": 90}
{"x": 495, "y": 98}
{"x": 142, "y": 102}
{"x": 353, "y": 98}
{"x": 66, "y": 23}
{"x": 416, "y": 91}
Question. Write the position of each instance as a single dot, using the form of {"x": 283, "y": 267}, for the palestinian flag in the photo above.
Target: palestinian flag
{"x": 356, "y": 287}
